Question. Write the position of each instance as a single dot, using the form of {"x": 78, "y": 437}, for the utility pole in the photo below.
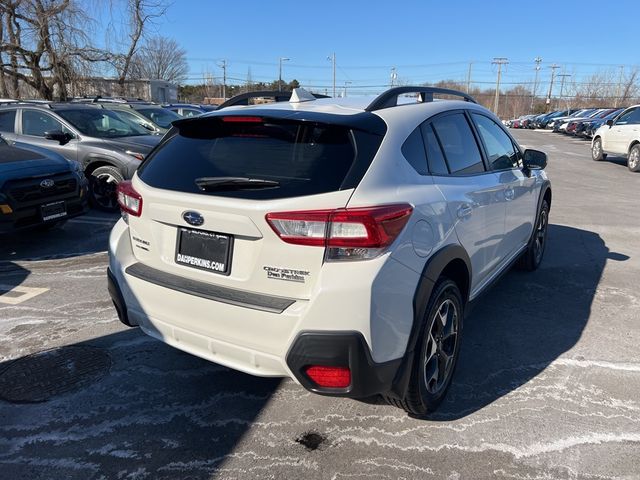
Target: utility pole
{"x": 469, "y": 78}
{"x": 394, "y": 77}
{"x": 223, "y": 66}
{"x": 498, "y": 61}
{"x": 538, "y": 61}
{"x": 282, "y": 59}
{"x": 619, "y": 89}
{"x": 332, "y": 58}
{"x": 553, "y": 75}
{"x": 563, "y": 76}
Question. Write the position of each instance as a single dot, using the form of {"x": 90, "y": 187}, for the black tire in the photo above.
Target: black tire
{"x": 102, "y": 188}
{"x": 633, "y": 162}
{"x": 532, "y": 256}
{"x": 427, "y": 388}
{"x": 596, "y": 150}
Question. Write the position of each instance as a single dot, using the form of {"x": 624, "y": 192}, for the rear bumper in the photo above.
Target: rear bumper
{"x": 341, "y": 349}
{"x": 359, "y": 324}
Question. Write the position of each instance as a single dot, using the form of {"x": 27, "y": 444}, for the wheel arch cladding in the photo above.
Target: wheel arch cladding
{"x": 633, "y": 144}
{"x": 451, "y": 261}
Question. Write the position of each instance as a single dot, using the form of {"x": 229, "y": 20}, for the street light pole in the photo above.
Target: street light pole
{"x": 332, "y": 58}
{"x": 344, "y": 95}
{"x": 538, "y": 61}
{"x": 282, "y": 59}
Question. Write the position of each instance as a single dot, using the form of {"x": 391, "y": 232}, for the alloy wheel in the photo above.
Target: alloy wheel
{"x": 634, "y": 158}
{"x": 103, "y": 188}
{"x": 441, "y": 346}
{"x": 541, "y": 235}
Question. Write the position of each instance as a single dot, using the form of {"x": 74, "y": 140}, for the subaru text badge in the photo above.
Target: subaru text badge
{"x": 193, "y": 218}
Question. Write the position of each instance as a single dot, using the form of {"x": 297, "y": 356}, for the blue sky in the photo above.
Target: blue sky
{"x": 425, "y": 40}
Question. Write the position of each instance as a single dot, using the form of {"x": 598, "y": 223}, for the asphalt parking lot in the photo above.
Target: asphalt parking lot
{"x": 547, "y": 387}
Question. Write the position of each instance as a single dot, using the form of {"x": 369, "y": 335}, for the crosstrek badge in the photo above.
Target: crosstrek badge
{"x": 289, "y": 274}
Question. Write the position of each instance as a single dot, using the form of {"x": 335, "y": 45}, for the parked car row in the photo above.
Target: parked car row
{"x": 100, "y": 141}
{"x": 613, "y": 131}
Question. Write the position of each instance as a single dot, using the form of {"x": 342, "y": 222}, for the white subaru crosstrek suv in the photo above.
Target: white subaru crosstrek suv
{"x": 338, "y": 242}
{"x": 619, "y": 137}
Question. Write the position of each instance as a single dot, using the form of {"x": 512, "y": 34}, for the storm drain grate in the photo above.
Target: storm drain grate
{"x": 40, "y": 376}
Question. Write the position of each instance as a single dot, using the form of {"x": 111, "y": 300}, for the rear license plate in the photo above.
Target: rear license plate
{"x": 51, "y": 211}
{"x": 208, "y": 251}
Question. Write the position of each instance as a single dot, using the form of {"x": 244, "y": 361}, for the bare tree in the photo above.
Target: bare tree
{"x": 45, "y": 42}
{"x": 160, "y": 58}
{"x": 141, "y": 14}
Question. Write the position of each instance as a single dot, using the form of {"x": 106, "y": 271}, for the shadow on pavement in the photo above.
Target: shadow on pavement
{"x": 79, "y": 236}
{"x": 11, "y": 276}
{"x": 526, "y": 321}
{"x": 148, "y": 411}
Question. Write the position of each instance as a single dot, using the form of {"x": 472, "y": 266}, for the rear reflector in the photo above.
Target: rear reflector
{"x": 329, "y": 377}
{"x": 129, "y": 200}
{"x": 353, "y": 233}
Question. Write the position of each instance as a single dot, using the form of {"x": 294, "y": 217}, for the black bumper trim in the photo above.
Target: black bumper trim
{"x": 341, "y": 349}
{"x": 240, "y": 298}
{"x": 117, "y": 298}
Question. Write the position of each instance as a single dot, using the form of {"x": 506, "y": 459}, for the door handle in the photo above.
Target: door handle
{"x": 509, "y": 194}
{"x": 465, "y": 210}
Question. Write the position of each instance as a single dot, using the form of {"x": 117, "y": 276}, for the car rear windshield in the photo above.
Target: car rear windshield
{"x": 303, "y": 158}
{"x": 160, "y": 116}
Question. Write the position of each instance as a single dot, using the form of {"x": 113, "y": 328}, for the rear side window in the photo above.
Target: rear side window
{"x": 437, "y": 164}
{"x": 458, "y": 144}
{"x": 8, "y": 121}
{"x": 413, "y": 151}
{"x": 304, "y": 158}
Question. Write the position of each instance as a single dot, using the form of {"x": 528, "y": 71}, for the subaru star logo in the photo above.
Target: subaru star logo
{"x": 193, "y": 218}
{"x": 47, "y": 183}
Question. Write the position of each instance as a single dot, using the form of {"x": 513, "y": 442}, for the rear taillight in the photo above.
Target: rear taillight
{"x": 129, "y": 200}
{"x": 329, "y": 377}
{"x": 348, "y": 233}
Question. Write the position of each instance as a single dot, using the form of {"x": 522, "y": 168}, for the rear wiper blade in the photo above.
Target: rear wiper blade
{"x": 209, "y": 184}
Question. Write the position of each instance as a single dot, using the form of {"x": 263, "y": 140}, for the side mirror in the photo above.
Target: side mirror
{"x": 534, "y": 159}
{"x": 58, "y": 136}
{"x": 610, "y": 123}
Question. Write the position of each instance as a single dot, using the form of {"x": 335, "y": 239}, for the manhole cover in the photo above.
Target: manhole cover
{"x": 38, "y": 377}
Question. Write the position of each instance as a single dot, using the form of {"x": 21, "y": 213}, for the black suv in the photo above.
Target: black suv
{"x": 38, "y": 187}
{"x": 108, "y": 146}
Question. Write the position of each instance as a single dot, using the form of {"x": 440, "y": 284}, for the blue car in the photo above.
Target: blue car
{"x": 38, "y": 188}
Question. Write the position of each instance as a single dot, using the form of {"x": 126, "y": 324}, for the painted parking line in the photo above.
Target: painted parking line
{"x": 16, "y": 295}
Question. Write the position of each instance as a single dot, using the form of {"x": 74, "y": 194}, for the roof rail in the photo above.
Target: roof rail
{"x": 390, "y": 97}
{"x": 243, "y": 98}
{"x": 44, "y": 103}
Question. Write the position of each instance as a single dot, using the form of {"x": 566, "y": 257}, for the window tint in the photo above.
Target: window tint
{"x": 435, "y": 158}
{"x": 102, "y": 123}
{"x": 459, "y": 145}
{"x": 189, "y": 112}
{"x": 36, "y": 123}
{"x": 305, "y": 159}
{"x": 635, "y": 117}
{"x": 413, "y": 151}
{"x": 500, "y": 149}
{"x": 8, "y": 121}
{"x": 160, "y": 116}
{"x": 625, "y": 118}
